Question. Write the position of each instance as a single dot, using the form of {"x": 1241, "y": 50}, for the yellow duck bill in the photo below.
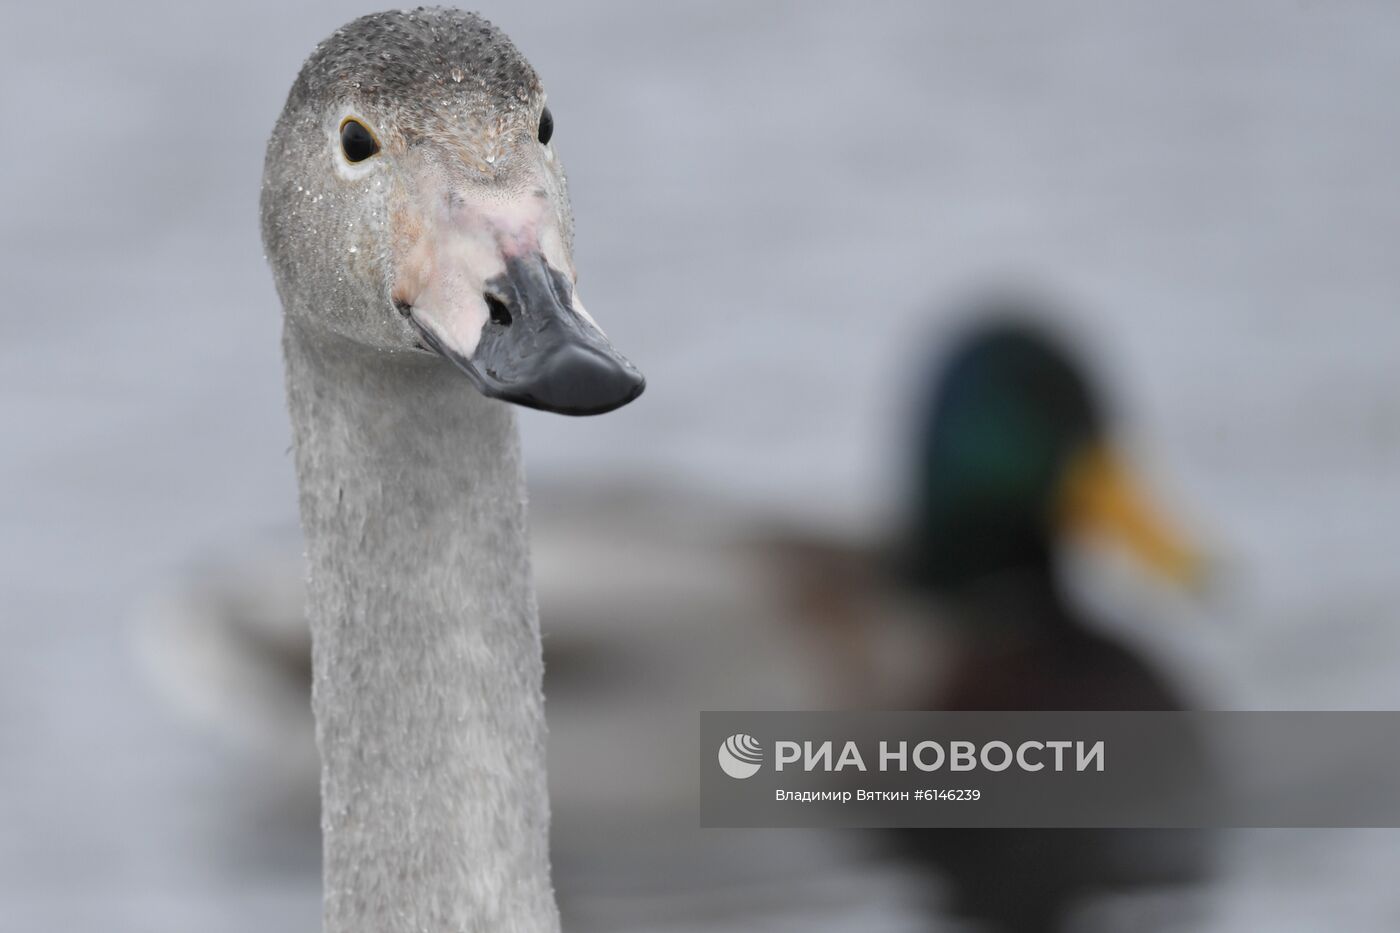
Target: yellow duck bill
{"x": 1101, "y": 498}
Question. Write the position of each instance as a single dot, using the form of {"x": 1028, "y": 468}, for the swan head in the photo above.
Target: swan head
{"x": 413, "y": 202}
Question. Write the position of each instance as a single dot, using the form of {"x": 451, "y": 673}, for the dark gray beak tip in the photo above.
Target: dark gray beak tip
{"x": 579, "y": 379}
{"x": 544, "y": 354}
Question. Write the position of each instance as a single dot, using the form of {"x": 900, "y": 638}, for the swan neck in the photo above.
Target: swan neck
{"x": 426, "y": 648}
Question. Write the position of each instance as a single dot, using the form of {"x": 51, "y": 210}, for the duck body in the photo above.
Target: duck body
{"x": 1050, "y": 658}
{"x": 1029, "y": 881}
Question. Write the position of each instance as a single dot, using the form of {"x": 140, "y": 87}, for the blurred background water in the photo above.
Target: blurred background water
{"x": 778, "y": 206}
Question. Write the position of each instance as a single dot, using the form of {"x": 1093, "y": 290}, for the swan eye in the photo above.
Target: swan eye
{"x": 357, "y": 141}
{"x": 546, "y": 126}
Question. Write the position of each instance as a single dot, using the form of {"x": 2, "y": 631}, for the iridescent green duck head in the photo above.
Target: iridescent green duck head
{"x": 1012, "y": 456}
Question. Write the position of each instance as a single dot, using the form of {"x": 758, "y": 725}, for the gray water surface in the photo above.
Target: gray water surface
{"x": 776, "y": 204}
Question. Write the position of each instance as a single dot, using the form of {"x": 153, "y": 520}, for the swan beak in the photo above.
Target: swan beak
{"x": 539, "y": 348}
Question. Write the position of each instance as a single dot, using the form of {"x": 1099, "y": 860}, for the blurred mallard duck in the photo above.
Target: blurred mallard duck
{"x": 1014, "y": 457}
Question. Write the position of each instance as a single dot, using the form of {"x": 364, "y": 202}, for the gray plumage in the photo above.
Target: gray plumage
{"x": 427, "y": 663}
{"x": 444, "y": 90}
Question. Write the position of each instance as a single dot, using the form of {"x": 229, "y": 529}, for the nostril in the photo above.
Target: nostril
{"x": 500, "y": 314}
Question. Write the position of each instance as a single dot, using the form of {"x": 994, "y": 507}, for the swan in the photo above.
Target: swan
{"x": 419, "y": 230}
